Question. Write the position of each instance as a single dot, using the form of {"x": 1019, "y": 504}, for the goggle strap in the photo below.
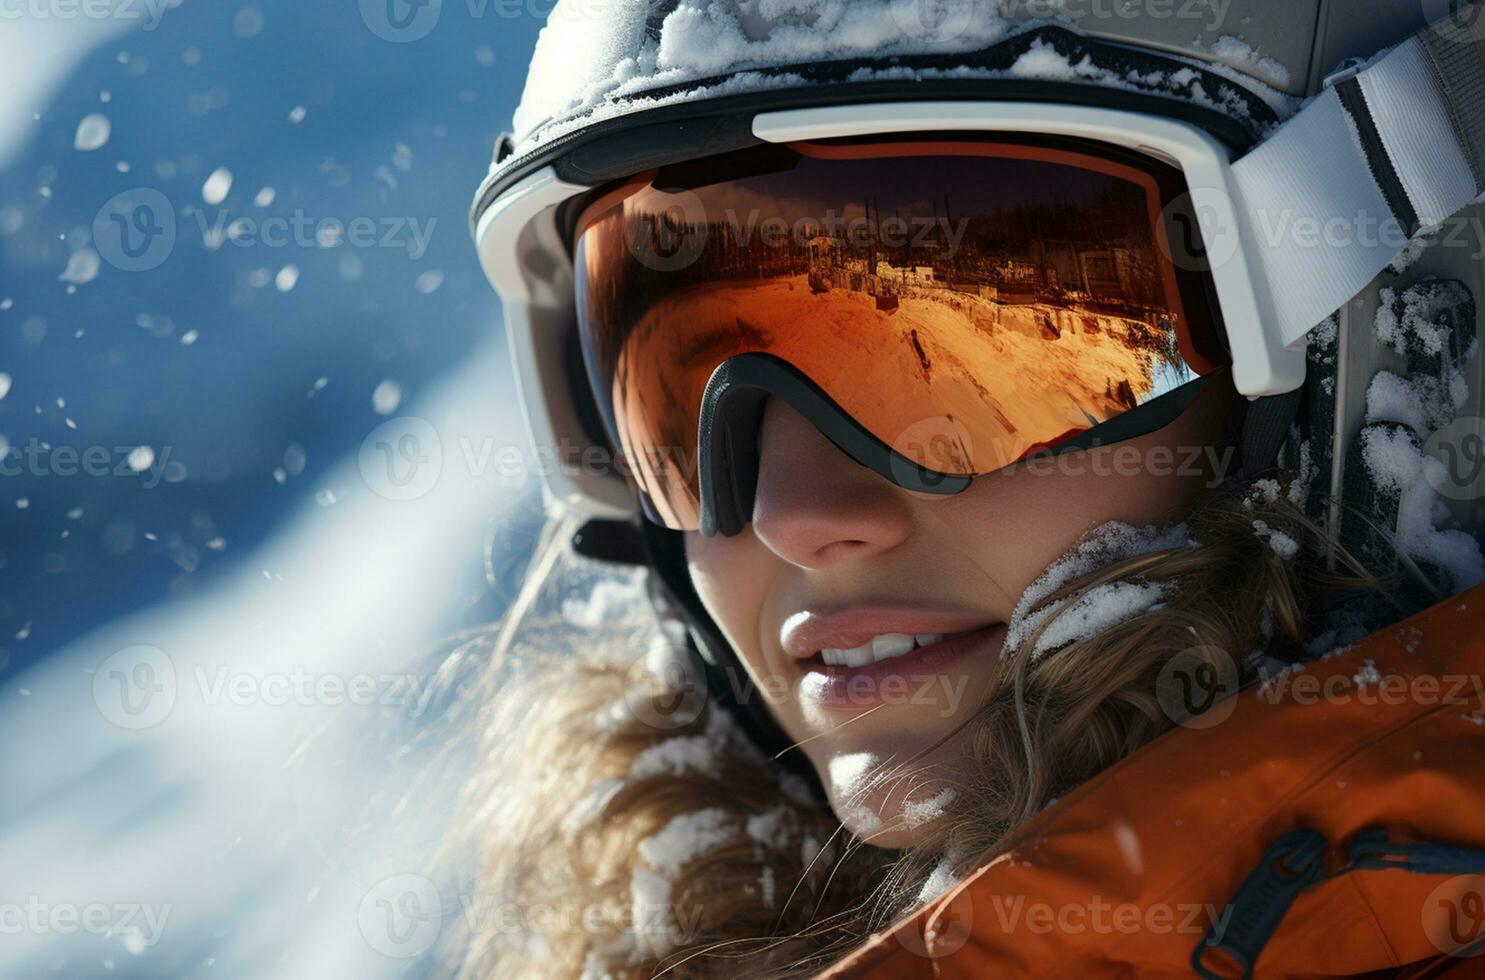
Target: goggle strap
{"x": 1394, "y": 148}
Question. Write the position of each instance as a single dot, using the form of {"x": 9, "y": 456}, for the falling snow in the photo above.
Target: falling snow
{"x": 82, "y": 267}
{"x": 386, "y": 397}
{"x": 141, "y": 458}
{"x": 92, "y": 132}
{"x": 217, "y": 186}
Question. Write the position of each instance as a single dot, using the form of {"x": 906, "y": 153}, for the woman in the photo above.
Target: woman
{"x": 962, "y": 472}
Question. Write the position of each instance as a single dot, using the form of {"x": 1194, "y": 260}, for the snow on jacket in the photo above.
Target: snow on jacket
{"x": 1332, "y": 824}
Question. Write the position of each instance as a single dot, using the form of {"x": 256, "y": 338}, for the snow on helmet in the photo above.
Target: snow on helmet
{"x": 1300, "y": 139}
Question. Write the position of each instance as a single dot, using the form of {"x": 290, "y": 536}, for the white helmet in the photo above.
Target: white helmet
{"x": 1285, "y": 196}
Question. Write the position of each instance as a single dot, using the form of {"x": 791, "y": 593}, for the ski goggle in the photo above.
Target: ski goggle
{"x": 940, "y": 308}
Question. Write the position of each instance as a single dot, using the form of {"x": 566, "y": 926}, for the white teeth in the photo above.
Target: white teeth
{"x": 854, "y": 657}
{"x": 889, "y": 645}
{"x": 878, "y": 648}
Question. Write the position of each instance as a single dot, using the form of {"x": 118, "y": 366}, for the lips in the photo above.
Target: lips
{"x": 866, "y": 657}
{"x": 805, "y": 634}
{"x": 897, "y": 680}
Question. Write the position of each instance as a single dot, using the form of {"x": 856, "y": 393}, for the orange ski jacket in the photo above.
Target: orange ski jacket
{"x": 1329, "y": 823}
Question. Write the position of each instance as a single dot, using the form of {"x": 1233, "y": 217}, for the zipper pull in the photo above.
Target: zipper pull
{"x": 1232, "y": 946}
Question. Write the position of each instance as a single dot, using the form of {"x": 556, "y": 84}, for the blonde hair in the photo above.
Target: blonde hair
{"x": 593, "y": 774}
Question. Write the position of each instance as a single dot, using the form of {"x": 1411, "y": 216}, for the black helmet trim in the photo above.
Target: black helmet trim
{"x": 623, "y": 145}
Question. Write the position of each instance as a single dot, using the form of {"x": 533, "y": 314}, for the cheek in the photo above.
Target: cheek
{"x": 1019, "y": 521}
{"x": 732, "y": 577}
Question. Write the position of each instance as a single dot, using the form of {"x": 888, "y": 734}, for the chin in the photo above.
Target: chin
{"x": 883, "y": 802}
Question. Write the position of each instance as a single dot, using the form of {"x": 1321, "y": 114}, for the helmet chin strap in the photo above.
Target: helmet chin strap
{"x": 1266, "y": 427}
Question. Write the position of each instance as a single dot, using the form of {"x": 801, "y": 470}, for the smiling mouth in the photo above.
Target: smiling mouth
{"x": 899, "y": 654}
{"x": 883, "y": 646}
{"x": 891, "y": 667}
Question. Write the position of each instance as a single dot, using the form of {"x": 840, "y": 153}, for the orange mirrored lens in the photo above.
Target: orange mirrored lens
{"x": 968, "y": 303}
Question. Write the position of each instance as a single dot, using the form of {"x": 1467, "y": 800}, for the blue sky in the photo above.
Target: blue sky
{"x": 246, "y": 394}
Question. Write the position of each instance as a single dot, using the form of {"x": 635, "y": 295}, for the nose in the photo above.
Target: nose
{"x": 815, "y": 506}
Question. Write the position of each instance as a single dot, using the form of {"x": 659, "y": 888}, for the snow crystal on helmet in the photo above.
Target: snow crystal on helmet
{"x": 594, "y": 53}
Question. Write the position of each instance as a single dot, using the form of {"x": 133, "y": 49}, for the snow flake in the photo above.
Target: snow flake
{"x": 774, "y": 827}
{"x": 1398, "y": 468}
{"x": 687, "y": 837}
{"x": 141, "y": 458}
{"x": 1368, "y": 675}
{"x": 609, "y": 600}
{"x": 916, "y": 813}
{"x": 1282, "y": 544}
{"x": 1422, "y": 403}
{"x": 766, "y": 884}
{"x": 1099, "y": 609}
{"x": 1238, "y": 53}
{"x": 1416, "y": 320}
{"x": 248, "y": 22}
{"x": 1265, "y": 490}
{"x": 1043, "y": 61}
{"x": 217, "y": 186}
{"x": 676, "y": 757}
{"x": 92, "y": 132}
{"x": 82, "y": 267}
{"x": 654, "y": 925}
{"x": 939, "y": 882}
{"x": 386, "y": 397}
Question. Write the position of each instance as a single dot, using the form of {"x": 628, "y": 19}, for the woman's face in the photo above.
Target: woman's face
{"x": 840, "y": 565}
